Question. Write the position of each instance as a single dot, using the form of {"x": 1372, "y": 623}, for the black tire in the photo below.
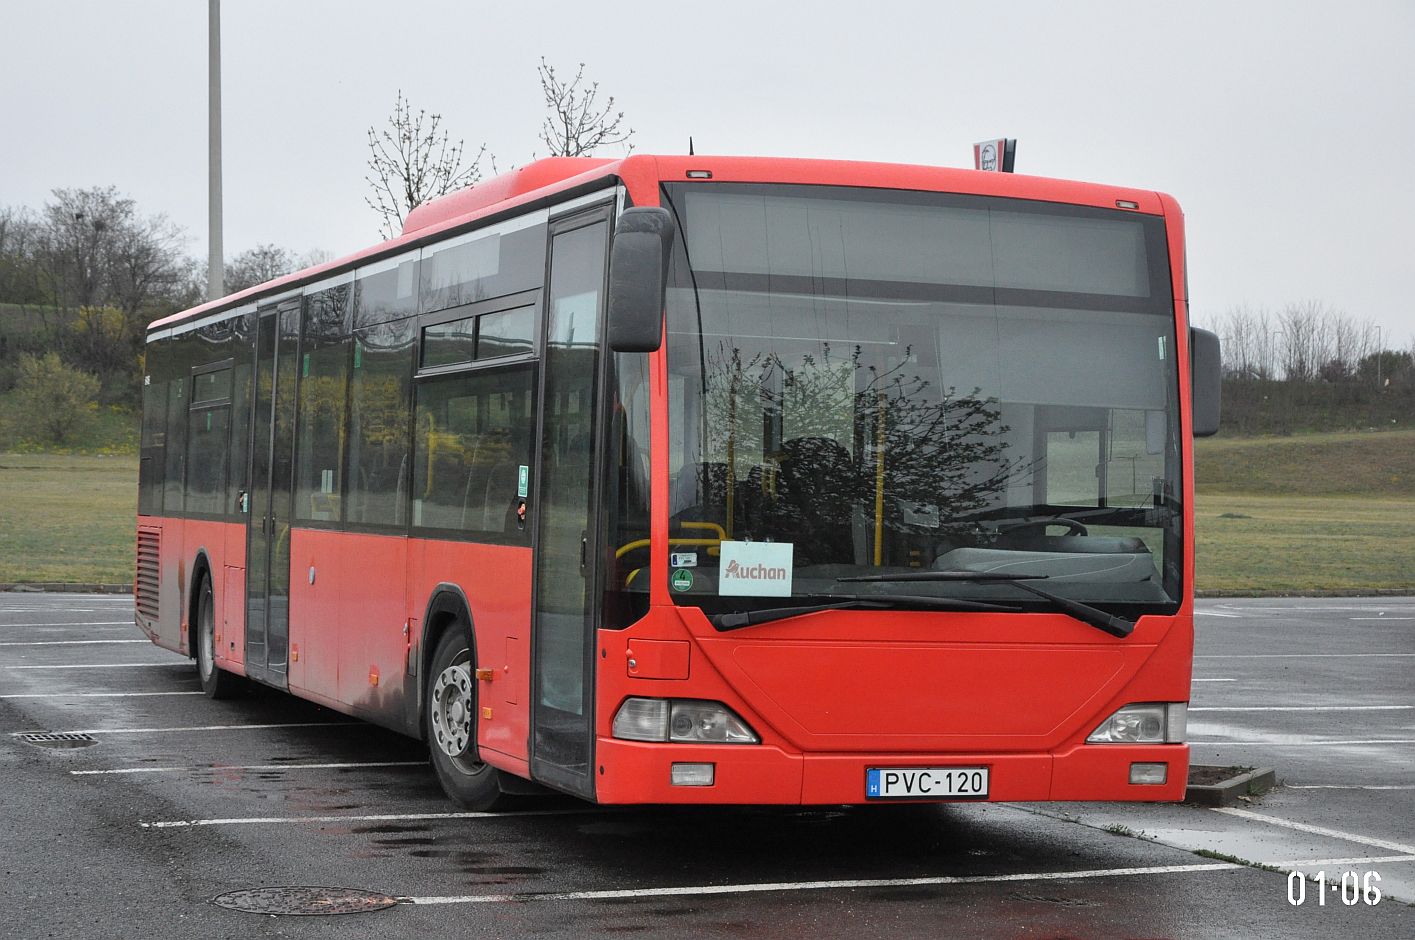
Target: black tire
{"x": 449, "y": 712}
{"x": 216, "y": 682}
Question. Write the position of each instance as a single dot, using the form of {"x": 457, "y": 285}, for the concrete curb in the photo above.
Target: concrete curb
{"x": 59, "y": 587}
{"x": 1227, "y": 792}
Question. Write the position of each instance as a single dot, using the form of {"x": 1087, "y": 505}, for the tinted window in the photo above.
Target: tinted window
{"x": 488, "y": 336}
{"x": 206, "y": 461}
{"x": 473, "y": 436}
{"x": 211, "y": 386}
{"x": 481, "y": 266}
{"x": 154, "y": 433}
{"x": 238, "y": 467}
{"x": 380, "y": 402}
{"x": 386, "y": 291}
{"x": 176, "y": 446}
{"x": 508, "y": 333}
{"x": 902, "y": 242}
{"x": 450, "y": 342}
{"x": 324, "y": 371}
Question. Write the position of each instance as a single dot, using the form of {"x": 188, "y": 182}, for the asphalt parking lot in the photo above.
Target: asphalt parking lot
{"x": 182, "y": 799}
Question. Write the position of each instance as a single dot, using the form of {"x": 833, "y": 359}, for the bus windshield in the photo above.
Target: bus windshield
{"x": 866, "y": 382}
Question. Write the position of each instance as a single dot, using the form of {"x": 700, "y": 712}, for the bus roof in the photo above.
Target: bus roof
{"x": 544, "y": 180}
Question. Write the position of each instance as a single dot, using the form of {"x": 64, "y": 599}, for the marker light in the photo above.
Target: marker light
{"x": 699, "y": 174}
{"x": 684, "y": 720}
{"x": 1154, "y": 723}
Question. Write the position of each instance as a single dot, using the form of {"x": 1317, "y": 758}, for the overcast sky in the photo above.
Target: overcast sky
{"x": 1286, "y": 130}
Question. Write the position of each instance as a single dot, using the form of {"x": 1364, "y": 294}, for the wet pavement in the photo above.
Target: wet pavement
{"x": 181, "y": 800}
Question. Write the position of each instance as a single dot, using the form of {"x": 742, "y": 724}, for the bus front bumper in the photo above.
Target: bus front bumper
{"x": 633, "y": 772}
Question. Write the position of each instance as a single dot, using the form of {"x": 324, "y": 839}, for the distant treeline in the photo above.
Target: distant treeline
{"x": 84, "y": 274}
{"x": 1308, "y": 367}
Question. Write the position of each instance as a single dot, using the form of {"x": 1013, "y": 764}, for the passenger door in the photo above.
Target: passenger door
{"x": 268, "y": 522}
{"x": 565, "y": 501}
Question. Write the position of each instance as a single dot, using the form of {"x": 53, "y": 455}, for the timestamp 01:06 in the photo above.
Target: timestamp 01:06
{"x": 1350, "y": 887}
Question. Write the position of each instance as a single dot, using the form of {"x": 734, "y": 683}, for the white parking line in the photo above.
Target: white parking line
{"x": 1359, "y": 860}
{"x": 186, "y": 664}
{"x": 75, "y": 623}
{"x": 1213, "y": 680}
{"x": 292, "y": 724}
{"x": 1301, "y": 708}
{"x": 1316, "y": 830}
{"x": 111, "y": 608}
{"x": 700, "y": 890}
{"x": 65, "y": 642}
{"x": 1214, "y": 613}
{"x": 91, "y": 694}
{"x": 1347, "y": 786}
{"x": 217, "y": 768}
{"x": 385, "y": 817}
{"x": 1367, "y": 608}
{"x": 1305, "y": 656}
{"x": 1277, "y": 741}
{"x": 1382, "y": 618}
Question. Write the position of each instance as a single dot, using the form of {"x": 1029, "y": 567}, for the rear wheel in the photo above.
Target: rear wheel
{"x": 449, "y": 712}
{"x": 215, "y": 681}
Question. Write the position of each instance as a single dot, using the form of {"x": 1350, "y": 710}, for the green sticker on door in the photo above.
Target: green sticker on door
{"x": 523, "y": 481}
{"x": 682, "y": 580}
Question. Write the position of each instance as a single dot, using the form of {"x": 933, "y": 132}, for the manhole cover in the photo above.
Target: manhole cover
{"x": 297, "y": 899}
{"x": 58, "y": 739}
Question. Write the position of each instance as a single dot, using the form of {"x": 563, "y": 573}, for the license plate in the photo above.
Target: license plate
{"x": 925, "y": 783}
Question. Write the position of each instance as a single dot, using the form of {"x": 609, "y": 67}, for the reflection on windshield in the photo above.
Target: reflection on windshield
{"x": 882, "y": 421}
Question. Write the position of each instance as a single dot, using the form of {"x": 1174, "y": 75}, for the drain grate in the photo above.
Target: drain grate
{"x": 296, "y": 899}
{"x": 58, "y": 739}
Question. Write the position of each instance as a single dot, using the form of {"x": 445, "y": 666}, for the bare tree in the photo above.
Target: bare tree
{"x": 577, "y": 124}
{"x": 413, "y": 160}
{"x": 258, "y": 265}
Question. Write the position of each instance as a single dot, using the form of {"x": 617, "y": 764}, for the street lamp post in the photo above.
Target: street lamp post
{"x": 215, "y": 265}
{"x": 1378, "y": 357}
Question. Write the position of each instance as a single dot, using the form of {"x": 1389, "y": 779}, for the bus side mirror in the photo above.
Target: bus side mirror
{"x": 638, "y": 278}
{"x": 1205, "y": 381}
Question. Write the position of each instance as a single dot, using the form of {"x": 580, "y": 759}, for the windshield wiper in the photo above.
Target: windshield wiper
{"x": 751, "y": 618}
{"x": 1093, "y": 616}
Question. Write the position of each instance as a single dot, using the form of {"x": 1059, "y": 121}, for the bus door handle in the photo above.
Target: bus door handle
{"x": 584, "y": 549}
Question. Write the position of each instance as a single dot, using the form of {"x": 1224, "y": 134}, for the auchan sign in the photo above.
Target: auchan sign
{"x": 757, "y": 569}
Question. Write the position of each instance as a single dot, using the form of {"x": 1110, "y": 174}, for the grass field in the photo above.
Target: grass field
{"x": 1323, "y": 512}
{"x": 67, "y": 518}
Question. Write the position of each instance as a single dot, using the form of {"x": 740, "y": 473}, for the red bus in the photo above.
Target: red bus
{"x": 707, "y": 480}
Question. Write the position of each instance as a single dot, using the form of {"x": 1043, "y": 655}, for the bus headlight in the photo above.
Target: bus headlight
{"x": 684, "y": 720}
{"x": 1153, "y": 723}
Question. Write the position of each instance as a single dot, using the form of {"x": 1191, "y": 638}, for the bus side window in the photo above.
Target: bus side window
{"x": 175, "y": 475}
{"x": 473, "y": 433}
{"x": 380, "y": 400}
{"x": 154, "y": 433}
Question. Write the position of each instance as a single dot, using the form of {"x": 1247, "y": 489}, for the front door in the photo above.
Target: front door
{"x": 566, "y": 497}
{"x": 268, "y": 522}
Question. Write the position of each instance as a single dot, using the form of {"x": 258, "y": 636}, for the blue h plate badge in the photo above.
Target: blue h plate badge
{"x": 872, "y": 782}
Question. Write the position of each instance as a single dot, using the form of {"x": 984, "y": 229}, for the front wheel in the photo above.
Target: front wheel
{"x": 215, "y": 681}
{"x": 449, "y": 712}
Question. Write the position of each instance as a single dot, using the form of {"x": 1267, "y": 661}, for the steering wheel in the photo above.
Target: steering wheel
{"x": 1040, "y": 525}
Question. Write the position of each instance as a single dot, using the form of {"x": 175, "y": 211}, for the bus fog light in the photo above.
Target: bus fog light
{"x": 693, "y": 775}
{"x": 1151, "y": 723}
{"x": 642, "y": 719}
{"x": 1154, "y": 774}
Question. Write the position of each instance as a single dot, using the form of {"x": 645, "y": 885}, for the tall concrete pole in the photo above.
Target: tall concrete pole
{"x": 216, "y": 265}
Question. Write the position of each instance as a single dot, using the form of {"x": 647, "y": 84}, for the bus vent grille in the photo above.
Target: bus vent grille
{"x": 145, "y": 584}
